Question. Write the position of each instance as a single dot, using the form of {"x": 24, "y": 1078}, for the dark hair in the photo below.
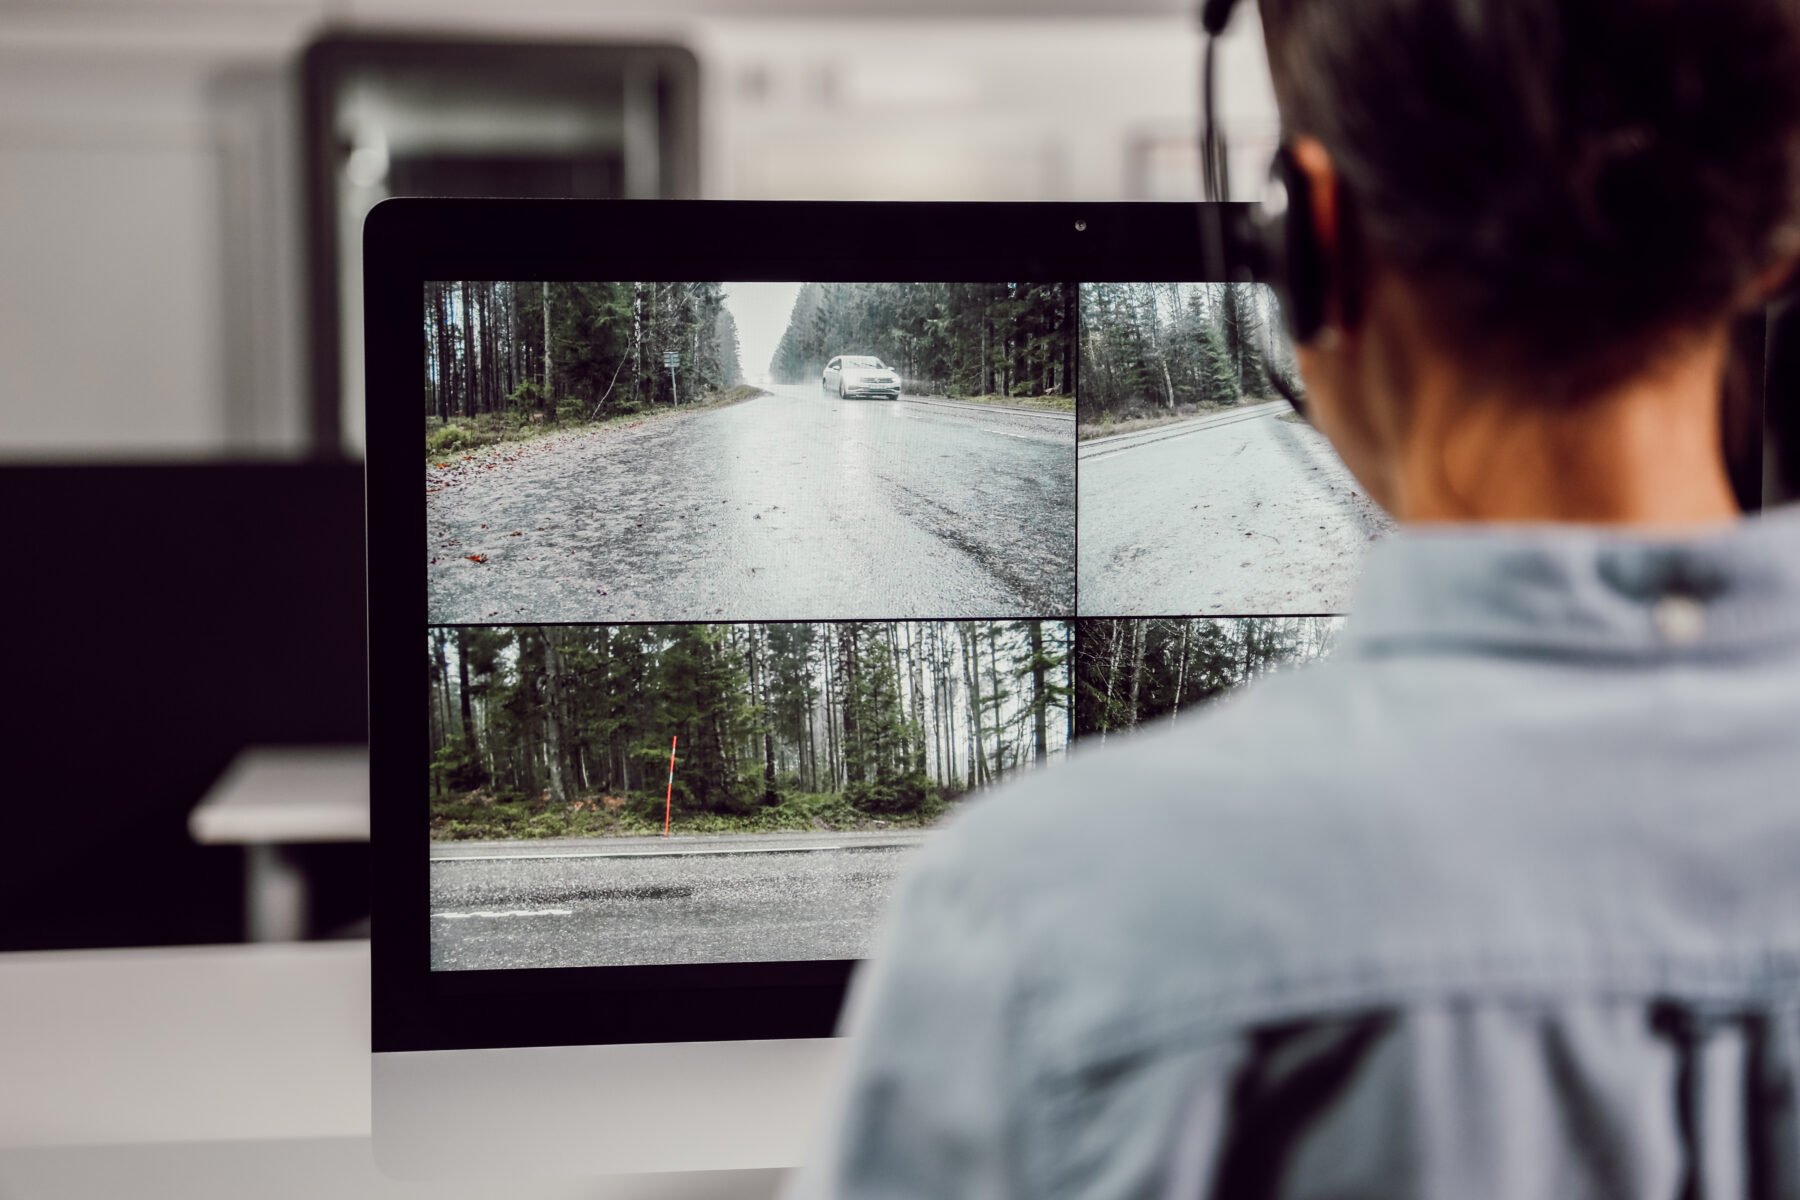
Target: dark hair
{"x": 1568, "y": 179}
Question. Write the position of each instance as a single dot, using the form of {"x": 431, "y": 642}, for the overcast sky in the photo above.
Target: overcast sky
{"x": 761, "y": 311}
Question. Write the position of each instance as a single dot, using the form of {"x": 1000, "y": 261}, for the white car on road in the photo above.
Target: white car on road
{"x": 860, "y": 375}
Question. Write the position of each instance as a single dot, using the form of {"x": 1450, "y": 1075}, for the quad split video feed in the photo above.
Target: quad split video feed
{"x": 736, "y": 591}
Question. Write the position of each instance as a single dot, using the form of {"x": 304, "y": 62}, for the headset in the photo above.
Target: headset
{"x": 1274, "y": 242}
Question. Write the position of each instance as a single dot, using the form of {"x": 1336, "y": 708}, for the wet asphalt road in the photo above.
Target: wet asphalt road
{"x": 631, "y": 901}
{"x": 794, "y": 505}
{"x": 1233, "y": 513}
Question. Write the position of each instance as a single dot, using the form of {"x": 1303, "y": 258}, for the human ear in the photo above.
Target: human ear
{"x": 1314, "y": 162}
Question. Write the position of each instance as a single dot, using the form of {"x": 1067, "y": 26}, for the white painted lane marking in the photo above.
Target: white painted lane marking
{"x": 1139, "y": 441}
{"x": 669, "y": 853}
{"x": 1049, "y": 414}
{"x": 516, "y": 912}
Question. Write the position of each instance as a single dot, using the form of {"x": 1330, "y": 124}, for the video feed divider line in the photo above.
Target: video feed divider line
{"x": 1108, "y": 447}
{"x": 450, "y": 858}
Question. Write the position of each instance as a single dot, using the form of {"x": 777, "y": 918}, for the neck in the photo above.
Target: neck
{"x": 1646, "y": 453}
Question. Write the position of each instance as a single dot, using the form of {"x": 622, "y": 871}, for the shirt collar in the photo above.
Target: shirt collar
{"x": 1585, "y": 590}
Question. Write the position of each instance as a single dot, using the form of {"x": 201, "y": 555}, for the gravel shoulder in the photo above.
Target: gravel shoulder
{"x": 1252, "y": 518}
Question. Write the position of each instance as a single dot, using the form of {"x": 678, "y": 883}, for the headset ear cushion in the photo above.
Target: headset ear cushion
{"x": 1293, "y": 248}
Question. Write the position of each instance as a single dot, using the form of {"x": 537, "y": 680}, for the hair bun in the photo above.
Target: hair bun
{"x": 1570, "y": 180}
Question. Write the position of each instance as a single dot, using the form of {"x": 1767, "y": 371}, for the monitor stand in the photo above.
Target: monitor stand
{"x": 600, "y": 1110}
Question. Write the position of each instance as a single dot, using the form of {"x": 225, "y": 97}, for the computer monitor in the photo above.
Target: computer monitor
{"x": 757, "y": 540}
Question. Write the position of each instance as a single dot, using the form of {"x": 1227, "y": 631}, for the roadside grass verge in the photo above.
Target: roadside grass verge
{"x": 476, "y": 818}
{"x": 1136, "y": 422}
{"x": 1048, "y": 403}
{"x": 459, "y": 435}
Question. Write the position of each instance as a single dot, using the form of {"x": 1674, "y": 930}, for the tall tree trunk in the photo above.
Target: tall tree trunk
{"x": 439, "y": 637}
{"x": 1071, "y": 330}
{"x": 994, "y": 696}
{"x": 638, "y": 333}
{"x": 462, "y": 677}
{"x": 441, "y": 322}
{"x": 1069, "y": 683}
{"x": 433, "y": 361}
{"x": 490, "y": 367}
{"x": 915, "y": 676}
{"x": 490, "y": 325}
{"x": 446, "y": 355}
{"x": 553, "y": 730}
{"x": 855, "y": 765}
{"x": 937, "y": 704}
{"x": 512, "y": 339}
{"x": 1137, "y": 670}
{"x": 656, "y": 333}
{"x": 978, "y": 766}
{"x": 983, "y": 383}
{"x": 1187, "y": 629}
{"x": 833, "y": 759}
{"x": 449, "y": 355}
{"x": 481, "y": 349}
{"x": 812, "y": 748}
{"x": 1039, "y": 699}
{"x": 952, "y": 770}
{"x": 549, "y": 396}
{"x": 1112, "y": 678}
{"x": 468, "y": 341}
{"x": 759, "y": 685}
{"x": 440, "y": 346}
{"x": 1149, "y": 320}
{"x": 809, "y": 752}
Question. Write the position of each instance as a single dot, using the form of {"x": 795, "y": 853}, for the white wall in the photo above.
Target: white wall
{"x": 151, "y": 282}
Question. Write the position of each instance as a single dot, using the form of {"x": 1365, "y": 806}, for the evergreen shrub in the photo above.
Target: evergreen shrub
{"x": 904, "y": 794}
{"x": 452, "y": 439}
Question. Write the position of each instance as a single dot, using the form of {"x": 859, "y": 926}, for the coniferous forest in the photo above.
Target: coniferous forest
{"x": 1168, "y": 347}
{"x": 547, "y": 730}
{"x": 1134, "y": 672}
{"x": 550, "y": 351}
{"x": 1013, "y": 340}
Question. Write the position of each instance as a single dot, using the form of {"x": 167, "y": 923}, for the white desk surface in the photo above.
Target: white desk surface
{"x": 226, "y": 1071}
{"x": 288, "y": 794}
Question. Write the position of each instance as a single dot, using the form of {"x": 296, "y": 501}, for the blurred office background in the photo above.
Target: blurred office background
{"x": 182, "y": 184}
{"x": 156, "y": 163}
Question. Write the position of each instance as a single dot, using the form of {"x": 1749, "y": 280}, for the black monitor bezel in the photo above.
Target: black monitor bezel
{"x": 409, "y": 241}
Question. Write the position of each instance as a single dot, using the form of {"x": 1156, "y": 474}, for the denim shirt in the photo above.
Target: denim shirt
{"x": 1501, "y": 900}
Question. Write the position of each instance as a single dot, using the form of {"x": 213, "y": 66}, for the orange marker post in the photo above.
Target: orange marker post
{"x": 669, "y": 798}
